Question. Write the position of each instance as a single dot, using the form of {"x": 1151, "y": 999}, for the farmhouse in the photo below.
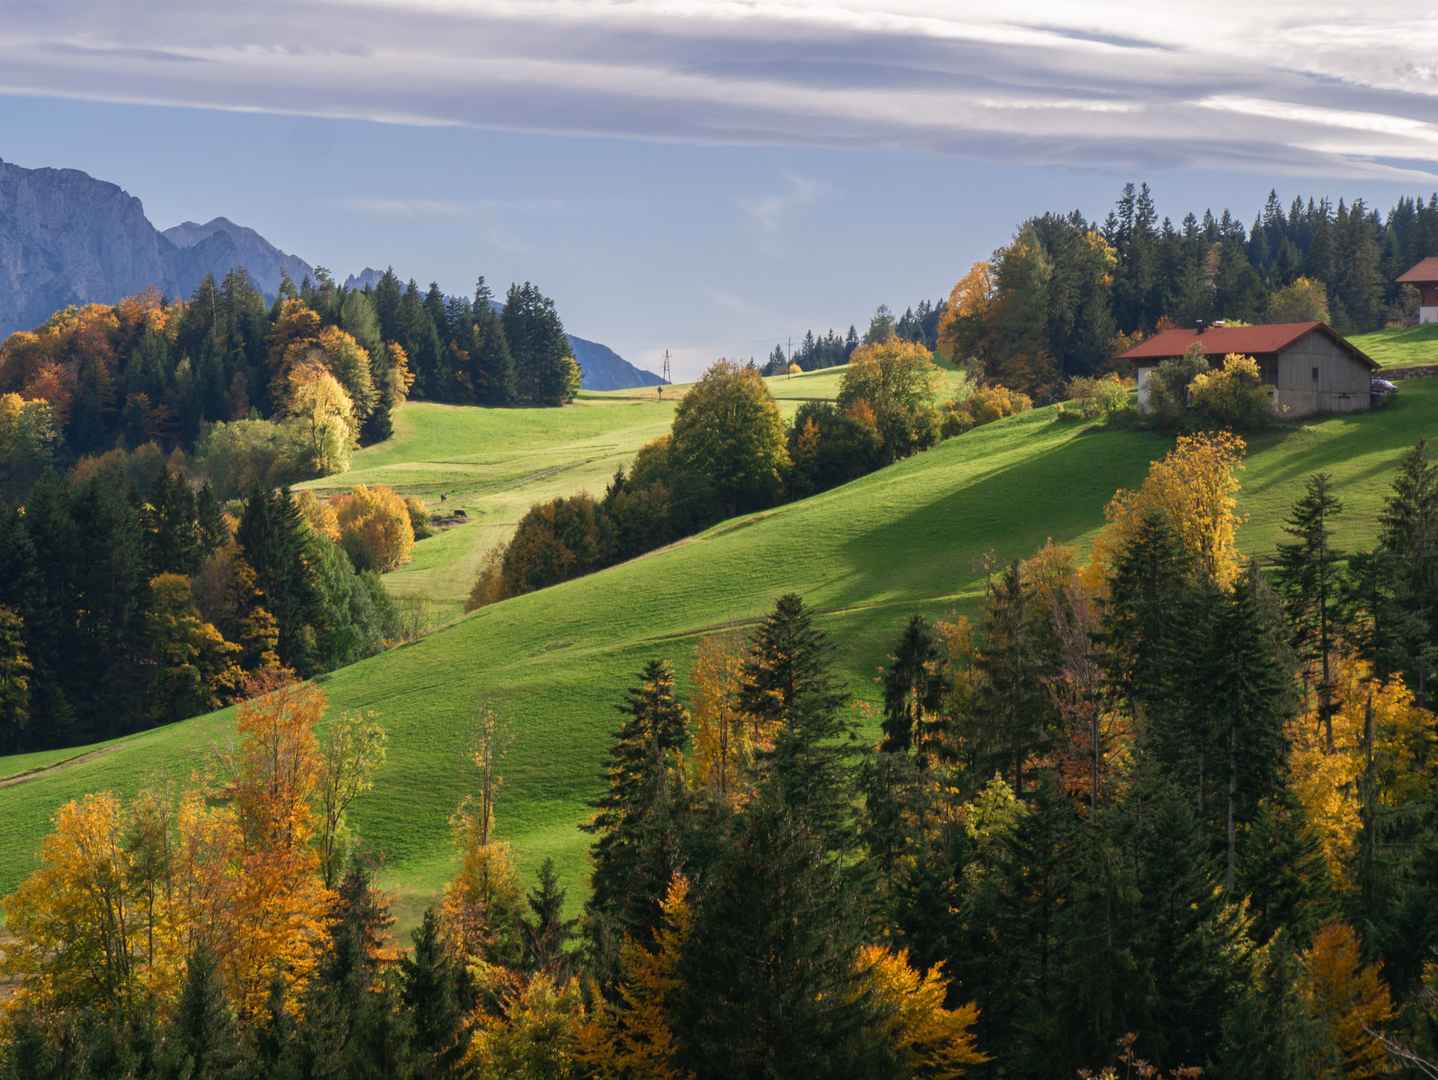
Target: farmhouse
{"x": 1425, "y": 277}
{"x": 1309, "y": 366}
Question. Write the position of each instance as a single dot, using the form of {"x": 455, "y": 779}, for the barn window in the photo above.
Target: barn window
{"x": 1315, "y": 374}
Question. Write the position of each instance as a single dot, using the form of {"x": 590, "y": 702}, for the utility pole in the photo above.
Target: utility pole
{"x": 665, "y": 374}
{"x": 789, "y": 358}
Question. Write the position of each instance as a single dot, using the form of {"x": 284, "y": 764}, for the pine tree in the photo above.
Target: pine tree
{"x": 204, "y": 1030}
{"x": 1012, "y": 705}
{"x": 493, "y": 366}
{"x": 273, "y": 535}
{"x": 544, "y": 368}
{"x": 1309, "y": 578}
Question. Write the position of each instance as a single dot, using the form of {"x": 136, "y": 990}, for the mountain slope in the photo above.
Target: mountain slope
{"x": 553, "y": 664}
{"x": 67, "y": 238}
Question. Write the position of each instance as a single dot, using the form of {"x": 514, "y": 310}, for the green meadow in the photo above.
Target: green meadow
{"x": 553, "y": 664}
{"x": 1411, "y": 345}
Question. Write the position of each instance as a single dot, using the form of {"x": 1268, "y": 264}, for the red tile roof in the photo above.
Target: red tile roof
{"x": 1247, "y": 340}
{"x": 1426, "y": 271}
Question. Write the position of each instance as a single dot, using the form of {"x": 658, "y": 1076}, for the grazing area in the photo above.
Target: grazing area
{"x": 553, "y": 664}
{"x": 495, "y": 463}
{"x": 1407, "y": 346}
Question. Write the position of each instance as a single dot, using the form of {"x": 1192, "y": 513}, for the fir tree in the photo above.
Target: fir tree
{"x": 204, "y": 1031}
{"x": 431, "y": 991}
{"x": 547, "y": 933}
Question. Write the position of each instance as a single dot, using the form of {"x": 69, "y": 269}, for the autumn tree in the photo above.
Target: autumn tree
{"x": 15, "y": 672}
{"x": 725, "y": 739}
{"x": 195, "y": 668}
{"x": 331, "y": 430}
{"x": 728, "y": 443}
{"x": 1351, "y": 1000}
{"x": 964, "y": 324}
{"x": 1301, "y": 300}
{"x": 898, "y": 380}
{"x": 374, "y": 528}
{"x": 926, "y": 1037}
{"x": 351, "y": 752}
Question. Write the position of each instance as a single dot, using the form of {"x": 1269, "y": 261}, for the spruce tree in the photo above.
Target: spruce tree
{"x": 914, "y": 688}
{"x": 274, "y": 538}
{"x": 492, "y": 364}
{"x": 1013, "y": 708}
{"x": 204, "y": 1033}
{"x": 542, "y": 361}
{"x": 787, "y": 686}
{"x": 1309, "y": 578}
{"x": 547, "y": 933}
{"x": 431, "y": 991}
{"x": 637, "y": 845}
{"x": 768, "y": 982}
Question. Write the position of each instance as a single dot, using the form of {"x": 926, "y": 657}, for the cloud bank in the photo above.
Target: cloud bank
{"x": 1342, "y": 89}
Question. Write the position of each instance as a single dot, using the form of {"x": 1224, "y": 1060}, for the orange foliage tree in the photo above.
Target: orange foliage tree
{"x": 375, "y": 528}
{"x": 1352, "y": 1002}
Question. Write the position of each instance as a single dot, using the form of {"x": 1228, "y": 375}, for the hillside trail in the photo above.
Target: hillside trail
{"x": 58, "y": 766}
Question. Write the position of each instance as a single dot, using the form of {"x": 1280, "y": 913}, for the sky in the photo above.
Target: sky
{"x": 710, "y": 177}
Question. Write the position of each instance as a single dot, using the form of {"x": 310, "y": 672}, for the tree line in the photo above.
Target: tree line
{"x": 298, "y": 382}
{"x": 730, "y": 452}
{"x": 1163, "y": 813}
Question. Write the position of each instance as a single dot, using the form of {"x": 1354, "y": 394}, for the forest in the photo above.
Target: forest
{"x": 1067, "y": 294}
{"x": 1162, "y": 812}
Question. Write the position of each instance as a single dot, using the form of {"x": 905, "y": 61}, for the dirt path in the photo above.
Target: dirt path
{"x": 35, "y": 774}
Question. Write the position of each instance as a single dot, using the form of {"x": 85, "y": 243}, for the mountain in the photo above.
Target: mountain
{"x": 219, "y": 244}
{"x": 68, "y": 238}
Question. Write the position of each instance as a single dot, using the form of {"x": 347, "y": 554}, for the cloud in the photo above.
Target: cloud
{"x": 1346, "y": 88}
{"x": 768, "y": 211}
{"x": 409, "y": 207}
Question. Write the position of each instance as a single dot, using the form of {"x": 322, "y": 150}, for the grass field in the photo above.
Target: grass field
{"x": 496, "y": 463}
{"x": 554, "y": 663}
{"x": 1412, "y": 345}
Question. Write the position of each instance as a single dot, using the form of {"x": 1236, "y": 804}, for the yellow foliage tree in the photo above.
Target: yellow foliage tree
{"x": 375, "y": 528}
{"x": 1195, "y": 486}
{"x": 631, "y": 1039}
{"x": 1371, "y": 720}
{"x": 535, "y": 1032}
{"x": 331, "y": 428}
{"x": 1351, "y": 1000}
{"x": 929, "y": 1039}
{"x": 724, "y": 738}
{"x": 961, "y": 326}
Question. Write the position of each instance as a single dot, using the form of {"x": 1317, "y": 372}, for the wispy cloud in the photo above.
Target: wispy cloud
{"x": 768, "y": 211}
{"x": 1346, "y": 88}
{"x": 410, "y": 207}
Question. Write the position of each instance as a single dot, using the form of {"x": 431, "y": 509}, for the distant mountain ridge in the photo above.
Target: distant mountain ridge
{"x": 68, "y": 238}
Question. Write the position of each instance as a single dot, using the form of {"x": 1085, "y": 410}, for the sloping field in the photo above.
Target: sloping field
{"x": 496, "y": 463}
{"x": 1409, "y": 346}
{"x": 553, "y": 664}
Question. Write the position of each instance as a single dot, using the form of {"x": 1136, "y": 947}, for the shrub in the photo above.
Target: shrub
{"x": 985, "y": 405}
{"x": 795, "y": 369}
{"x": 1234, "y": 396}
{"x": 1097, "y": 398}
{"x": 419, "y": 517}
{"x": 1168, "y": 387}
{"x": 374, "y": 528}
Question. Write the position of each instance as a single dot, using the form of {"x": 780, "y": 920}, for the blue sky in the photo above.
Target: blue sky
{"x": 708, "y": 177}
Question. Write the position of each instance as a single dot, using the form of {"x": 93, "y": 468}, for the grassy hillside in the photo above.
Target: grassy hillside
{"x": 554, "y": 663}
{"x": 496, "y": 463}
{"x": 1410, "y": 345}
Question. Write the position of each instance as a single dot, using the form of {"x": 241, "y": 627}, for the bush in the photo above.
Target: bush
{"x": 1168, "y": 388}
{"x": 985, "y": 405}
{"x": 374, "y": 528}
{"x": 1097, "y": 398}
{"x": 1232, "y": 397}
{"x": 419, "y": 518}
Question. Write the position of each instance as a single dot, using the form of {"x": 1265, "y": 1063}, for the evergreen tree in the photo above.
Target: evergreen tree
{"x": 544, "y": 369}
{"x": 786, "y": 685}
{"x": 493, "y": 366}
{"x": 637, "y": 849}
{"x": 914, "y": 688}
{"x": 547, "y": 933}
{"x": 1309, "y": 578}
{"x": 204, "y": 1032}
{"x": 768, "y": 982}
{"x": 276, "y": 542}
{"x": 431, "y": 991}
